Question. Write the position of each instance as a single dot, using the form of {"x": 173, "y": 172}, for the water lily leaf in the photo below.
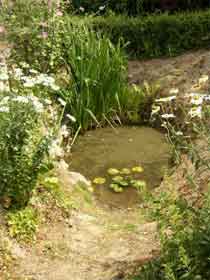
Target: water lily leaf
{"x": 113, "y": 171}
{"x": 118, "y": 179}
{"x": 125, "y": 171}
{"x": 138, "y": 184}
{"x": 99, "y": 181}
{"x": 137, "y": 169}
{"x": 116, "y": 188}
{"x": 123, "y": 183}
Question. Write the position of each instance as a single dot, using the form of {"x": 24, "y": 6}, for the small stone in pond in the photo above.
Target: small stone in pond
{"x": 113, "y": 171}
{"x": 137, "y": 169}
{"x": 99, "y": 181}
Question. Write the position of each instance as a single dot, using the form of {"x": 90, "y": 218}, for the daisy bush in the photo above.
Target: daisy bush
{"x": 22, "y": 146}
{"x": 28, "y": 125}
{"x": 181, "y": 112}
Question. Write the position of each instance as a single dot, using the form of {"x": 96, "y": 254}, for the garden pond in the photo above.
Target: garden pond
{"x": 120, "y": 161}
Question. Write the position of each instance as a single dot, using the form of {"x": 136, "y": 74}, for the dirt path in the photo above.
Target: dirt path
{"x": 93, "y": 243}
{"x": 93, "y": 247}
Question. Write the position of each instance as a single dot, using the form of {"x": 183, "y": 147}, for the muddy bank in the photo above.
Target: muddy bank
{"x": 180, "y": 72}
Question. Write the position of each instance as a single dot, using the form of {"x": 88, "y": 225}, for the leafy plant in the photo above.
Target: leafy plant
{"x": 97, "y": 73}
{"x": 184, "y": 232}
{"x": 23, "y": 223}
{"x": 22, "y": 148}
{"x": 157, "y": 35}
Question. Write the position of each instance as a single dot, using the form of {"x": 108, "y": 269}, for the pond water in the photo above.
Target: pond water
{"x": 126, "y": 147}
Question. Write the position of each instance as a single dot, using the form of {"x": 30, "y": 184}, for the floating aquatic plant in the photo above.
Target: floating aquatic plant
{"x": 116, "y": 188}
{"x": 137, "y": 169}
{"x": 139, "y": 184}
{"x": 122, "y": 178}
{"x": 120, "y": 181}
{"x": 125, "y": 171}
{"x": 113, "y": 171}
{"x": 99, "y": 181}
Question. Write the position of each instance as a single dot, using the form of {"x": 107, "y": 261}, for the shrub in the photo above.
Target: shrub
{"x": 158, "y": 35}
{"x": 26, "y": 23}
{"x": 139, "y": 7}
{"x": 185, "y": 242}
{"x": 22, "y": 148}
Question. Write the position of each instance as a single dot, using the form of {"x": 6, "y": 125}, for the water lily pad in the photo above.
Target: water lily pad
{"x": 99, "y": 181}
{"x": 116, "y": 188}
{"x": 125, "y": 171}
{"x": 113, "y": 171}
{"x": 120, "y": 181}
{"x": 137, "y": 169}
{"x": 123, "y": 183}
{"x": 138, "y": 184}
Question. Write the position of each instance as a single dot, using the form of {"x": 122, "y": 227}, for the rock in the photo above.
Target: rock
{"x": 77, "y": 178}
{"x": 69, "y": 178}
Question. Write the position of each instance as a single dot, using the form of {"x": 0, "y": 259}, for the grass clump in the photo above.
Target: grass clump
{"x": 97, "y": 73}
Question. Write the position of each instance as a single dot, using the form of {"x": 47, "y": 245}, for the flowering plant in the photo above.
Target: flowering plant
{"x": 23, "y": 145}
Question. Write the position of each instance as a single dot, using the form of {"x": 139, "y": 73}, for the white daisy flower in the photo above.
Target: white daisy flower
{"x": 168, "y": 116}
{"x": 166, "y": 99}
{"x": 196, "y": 112}
{"x": 4, "y": 109}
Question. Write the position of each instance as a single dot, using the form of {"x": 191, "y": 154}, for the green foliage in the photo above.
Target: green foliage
{"x": 97, "y": 69}
{"x": 139, "y": 7}
{"x": 27, "y": 24}
{"x": 158, "y": 35}
{"x": 23, "y": 223}
{"x": 62, "y": 199}
{"x": 22, "y": 149}
{"x": 185, "y": 242}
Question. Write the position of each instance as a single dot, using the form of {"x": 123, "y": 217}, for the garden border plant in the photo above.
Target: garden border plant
{"x": 157, "y": 35}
